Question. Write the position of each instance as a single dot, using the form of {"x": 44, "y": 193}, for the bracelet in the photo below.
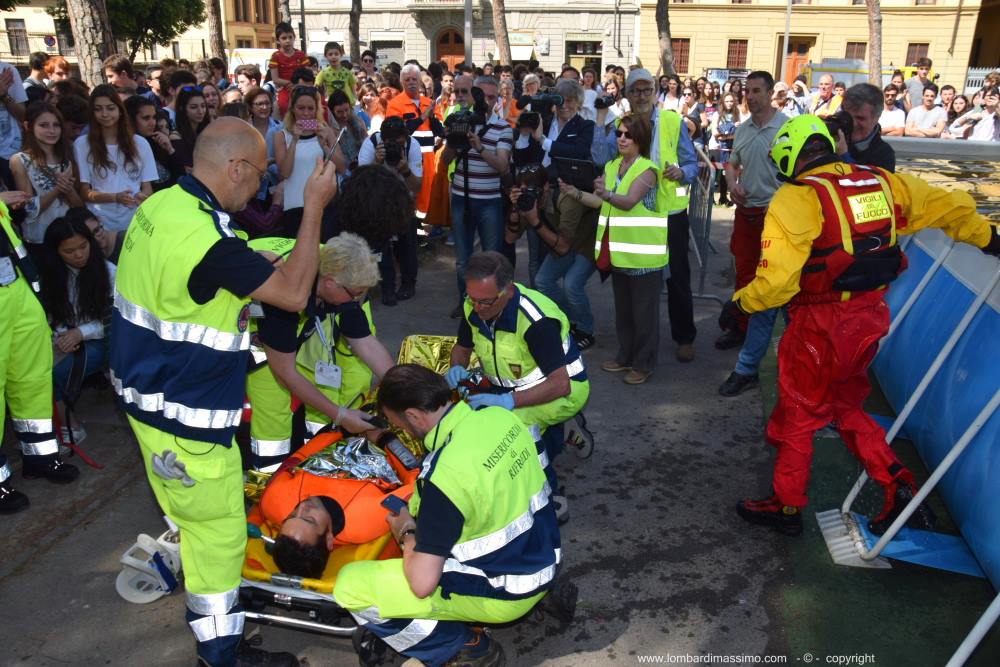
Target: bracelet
{"x": 336, "y": 420}
{"x": 402, "y": 536}
{"x": 579, "y": 195}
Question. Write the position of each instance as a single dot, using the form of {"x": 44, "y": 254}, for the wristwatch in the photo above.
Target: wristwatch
{"x": 402, "y": 536}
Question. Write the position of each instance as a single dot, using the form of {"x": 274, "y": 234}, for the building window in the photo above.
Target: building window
{"x": 742, "y": 2}
{"x": 17, "y": 37}
{"x": 175, "y": 47}
{"x": 915, "y": 51}
{"x": 736, "y": 57}
{"x": 682, "y": 47}
{"x": 682, "y": 2}
{"x": 926, "y": 2}
{"x": 152, "y": 53}
{"x": 241, "y": 11}
{"x": 244, "y": 43}
{"x": 857, "y": 2}
{"x": 856, "y": 50}
{"x": 67, "y": 46}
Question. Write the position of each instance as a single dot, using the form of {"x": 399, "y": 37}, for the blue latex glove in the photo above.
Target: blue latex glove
{"x": 484, "y": 400}
{"x": 455, "y": 375}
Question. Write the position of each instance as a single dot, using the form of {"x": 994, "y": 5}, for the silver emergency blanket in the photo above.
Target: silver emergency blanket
{"x": 352, "y": 458}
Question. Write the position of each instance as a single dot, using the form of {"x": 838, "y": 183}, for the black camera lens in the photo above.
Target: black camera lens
{"x": 528, "y": 199}
{"x": 393, "y": 153}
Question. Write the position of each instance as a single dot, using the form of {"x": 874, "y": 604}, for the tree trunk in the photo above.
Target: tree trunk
{"x": 354, "y": 33}
{"x": 213, "y": 16}
{"x": 284, "y": 12}
{"x": 500, "y": 32}
{"x": 874, "y": 43}
{"x": 88, "y": 19}
{"x": 666, "y": 45}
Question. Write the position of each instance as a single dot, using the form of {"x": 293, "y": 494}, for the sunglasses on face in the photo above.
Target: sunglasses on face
{"x": 623, "y": 134}
{"x": 367, "y": 60}
{"x": 642, "y": 92}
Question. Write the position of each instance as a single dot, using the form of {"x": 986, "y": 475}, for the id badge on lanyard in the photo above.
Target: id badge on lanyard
{"x": 328, "y": 373}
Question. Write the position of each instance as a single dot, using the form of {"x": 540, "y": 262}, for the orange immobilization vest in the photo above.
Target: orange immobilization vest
{"x": 857, "y": 249}
{"x": 402, "y": 105}
{"x": 361, "y": 499}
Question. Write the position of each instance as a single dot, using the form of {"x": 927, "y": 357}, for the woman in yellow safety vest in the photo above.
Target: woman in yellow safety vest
{"x": 632, "y": 246}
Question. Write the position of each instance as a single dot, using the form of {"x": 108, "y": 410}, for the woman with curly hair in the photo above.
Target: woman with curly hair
{"x": 375, "y": 204}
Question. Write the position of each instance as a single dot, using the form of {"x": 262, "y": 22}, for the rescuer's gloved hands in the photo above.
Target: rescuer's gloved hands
{"x": 485, "y": 400}
{"x": 729, "y": 318}
{"x": 993, "y": 247}
{"x": 455, "y": 375}
{"x": 168, "y": 467}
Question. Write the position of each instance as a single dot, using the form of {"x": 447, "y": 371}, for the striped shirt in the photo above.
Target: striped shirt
{"x": 484, "y": 180}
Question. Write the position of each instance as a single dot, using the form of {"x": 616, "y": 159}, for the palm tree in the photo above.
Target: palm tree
{"x": 666, "y": 45}
{"x": 88, "y": 20}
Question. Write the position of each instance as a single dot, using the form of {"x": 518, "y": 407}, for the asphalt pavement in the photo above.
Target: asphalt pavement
{"x": 663, "y": 564}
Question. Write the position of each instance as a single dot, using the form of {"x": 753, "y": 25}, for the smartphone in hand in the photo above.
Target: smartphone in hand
{"x": 309, "y": 125}
{"x": 394, "y": 504}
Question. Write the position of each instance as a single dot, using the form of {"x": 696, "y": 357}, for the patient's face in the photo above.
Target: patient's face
{"x": 308, "y": 523}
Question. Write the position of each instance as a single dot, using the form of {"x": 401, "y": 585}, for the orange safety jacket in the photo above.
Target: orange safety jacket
{"x": 402, "y": 105}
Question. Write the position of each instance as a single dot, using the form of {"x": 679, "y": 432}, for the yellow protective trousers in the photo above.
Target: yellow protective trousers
{"x": 26, "y": 372}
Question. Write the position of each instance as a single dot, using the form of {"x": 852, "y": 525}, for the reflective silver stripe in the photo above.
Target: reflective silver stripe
{"x": 212, "y": 627}
{"x": 420, "y": 214}
{"x": 422, "y": 133}
{"x": 36, "y": 286}
{"x": 534, "y": 377}
{"x": 32, "y": 425}
{"x": 854, "y": 184}
{"x": 480, "y": 546}
{"x": 181, "y": 331}
{"x": 43, "y": 448}
{"x": 517, "y": 584}
{"x": 270, "y": 468}
{"x": 543, "y": 459}
{"x": 193, "y": 417}
{"x": 270, "y": 447}
{"x": 418, "y": 629}
{"x": 4, "y": 472}
{"x": 536, "y": 432}
{"x": 637, "y": 248}
{"x": 426, "y": 149}
{"x": 638, "y": 221}
{"x": 212, "y": 604}
{"x": 530, "y": 309}
{"x": 312, "y": 428}
{"x": 21, "y": 251}
{"x": 223, "y": 220}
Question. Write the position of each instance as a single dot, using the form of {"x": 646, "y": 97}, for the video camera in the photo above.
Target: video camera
{"x": 541, "y": 109}
{"x": 392, "y": 129}
{"x": 531, "y": 178}
{"x": 840, "y": 121}
{"x": 459, "y": 123}
{"x": 604, "y": 102}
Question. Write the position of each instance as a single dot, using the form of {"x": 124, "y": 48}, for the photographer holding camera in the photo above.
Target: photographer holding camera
{"x": 393, "y": 147}
{"x": 554, "y": 130}
{"x": 480, "y": 144}
{"x": 856, "y": 129}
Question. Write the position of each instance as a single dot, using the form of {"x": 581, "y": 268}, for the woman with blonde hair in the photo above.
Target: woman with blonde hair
{"x": 304, "y": 139}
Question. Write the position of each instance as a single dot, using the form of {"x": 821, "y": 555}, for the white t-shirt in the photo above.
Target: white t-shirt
{"x": 414, "y": 158}
{"x": 121, "y": 178}
{"x": 307, "y": 151}
{"x": 985, "y": 128}
{"x": 926, "y": 119}
{"x": 892, "y": 119}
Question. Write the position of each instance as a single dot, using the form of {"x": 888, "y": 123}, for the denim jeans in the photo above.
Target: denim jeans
{"x": 759, "y": 331}
{"x": 486, "y": 217}
{"x": 96, "y": 355}
{"x": 571, "y": 296}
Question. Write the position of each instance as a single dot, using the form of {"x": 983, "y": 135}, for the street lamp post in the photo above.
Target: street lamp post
{"x": 468, "y": 32}
{"x": 788, "y": 29}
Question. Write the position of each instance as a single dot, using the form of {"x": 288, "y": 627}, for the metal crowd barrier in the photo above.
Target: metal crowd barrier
{"x": 700, "y": 219}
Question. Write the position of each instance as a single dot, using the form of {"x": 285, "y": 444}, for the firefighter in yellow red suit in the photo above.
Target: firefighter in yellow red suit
{"x": 829, "y": 250}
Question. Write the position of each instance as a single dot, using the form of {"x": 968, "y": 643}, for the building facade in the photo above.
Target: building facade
{"x": 749, "y": 34}
{"x": 579, "y": 32}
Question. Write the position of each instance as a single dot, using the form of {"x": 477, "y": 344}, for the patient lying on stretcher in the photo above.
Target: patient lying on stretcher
{"x": 328, "y": 494}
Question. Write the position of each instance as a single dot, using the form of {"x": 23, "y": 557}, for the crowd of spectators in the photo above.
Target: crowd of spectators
{"x": 85, "y": 159}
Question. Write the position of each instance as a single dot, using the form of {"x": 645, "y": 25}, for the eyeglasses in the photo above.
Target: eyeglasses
{"x": 484, "y": 303}
{"x": 688, "y": 93}
{"x": 302, "y": 89}
{"x": 355, "y": 296}
{"x": 623, "y": 134}
{"x": 260, "y": 172}
{"x": 463, "y": 91}
{"x": 642, "y": 92}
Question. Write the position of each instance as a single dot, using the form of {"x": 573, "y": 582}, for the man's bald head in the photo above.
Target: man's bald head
{"x": 230, "y": 158}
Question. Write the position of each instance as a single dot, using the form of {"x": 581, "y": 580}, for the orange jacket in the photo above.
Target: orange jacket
{"x": 402, "y": 105}
{"x": 364, "y": 516}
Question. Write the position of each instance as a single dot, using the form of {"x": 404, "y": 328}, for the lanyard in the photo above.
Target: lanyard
{"x": 330, "y": 348}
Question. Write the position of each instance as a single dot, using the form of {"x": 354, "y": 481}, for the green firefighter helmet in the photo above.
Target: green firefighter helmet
{"x": 792, "y": 137}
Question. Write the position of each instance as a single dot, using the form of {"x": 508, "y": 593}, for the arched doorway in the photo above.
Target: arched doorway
{"x": 450, "y": 47}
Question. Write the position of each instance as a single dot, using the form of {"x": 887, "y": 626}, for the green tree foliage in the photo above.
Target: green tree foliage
{"x": 143, "y": 23}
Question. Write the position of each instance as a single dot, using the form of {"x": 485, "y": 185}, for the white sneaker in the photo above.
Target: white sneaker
{"x": 79, "y": 434}
{"x": 578, "y": 437}
{"x": 562, "y": 508}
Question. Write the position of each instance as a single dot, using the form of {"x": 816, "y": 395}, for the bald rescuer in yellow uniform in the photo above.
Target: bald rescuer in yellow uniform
{"x": 828, "y": 250}
{"x": 179, "y": 355}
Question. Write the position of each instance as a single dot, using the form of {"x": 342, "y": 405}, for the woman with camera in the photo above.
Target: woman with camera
{"x": 627, "y": 229}
{"x": 567, "y": 136}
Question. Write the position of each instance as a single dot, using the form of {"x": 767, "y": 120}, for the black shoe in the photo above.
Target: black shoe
{"x": 388, "y": 296}
{"x": 583, "y": 339}
{"x": 899, "y": 496}
{"x": 480, "y": 651}
{"x": 458, "y": 313}
{"x": 406, "y": 291}
{"x": 770, "y": 512}
{"x": 12, "y": 500}
{"x": 371, "y": 650}
{"x": 737, "y": 383}
{"x": 51, "y": 468}
{"x": 729, "y": 339}
{"x": 560, "y": 601}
